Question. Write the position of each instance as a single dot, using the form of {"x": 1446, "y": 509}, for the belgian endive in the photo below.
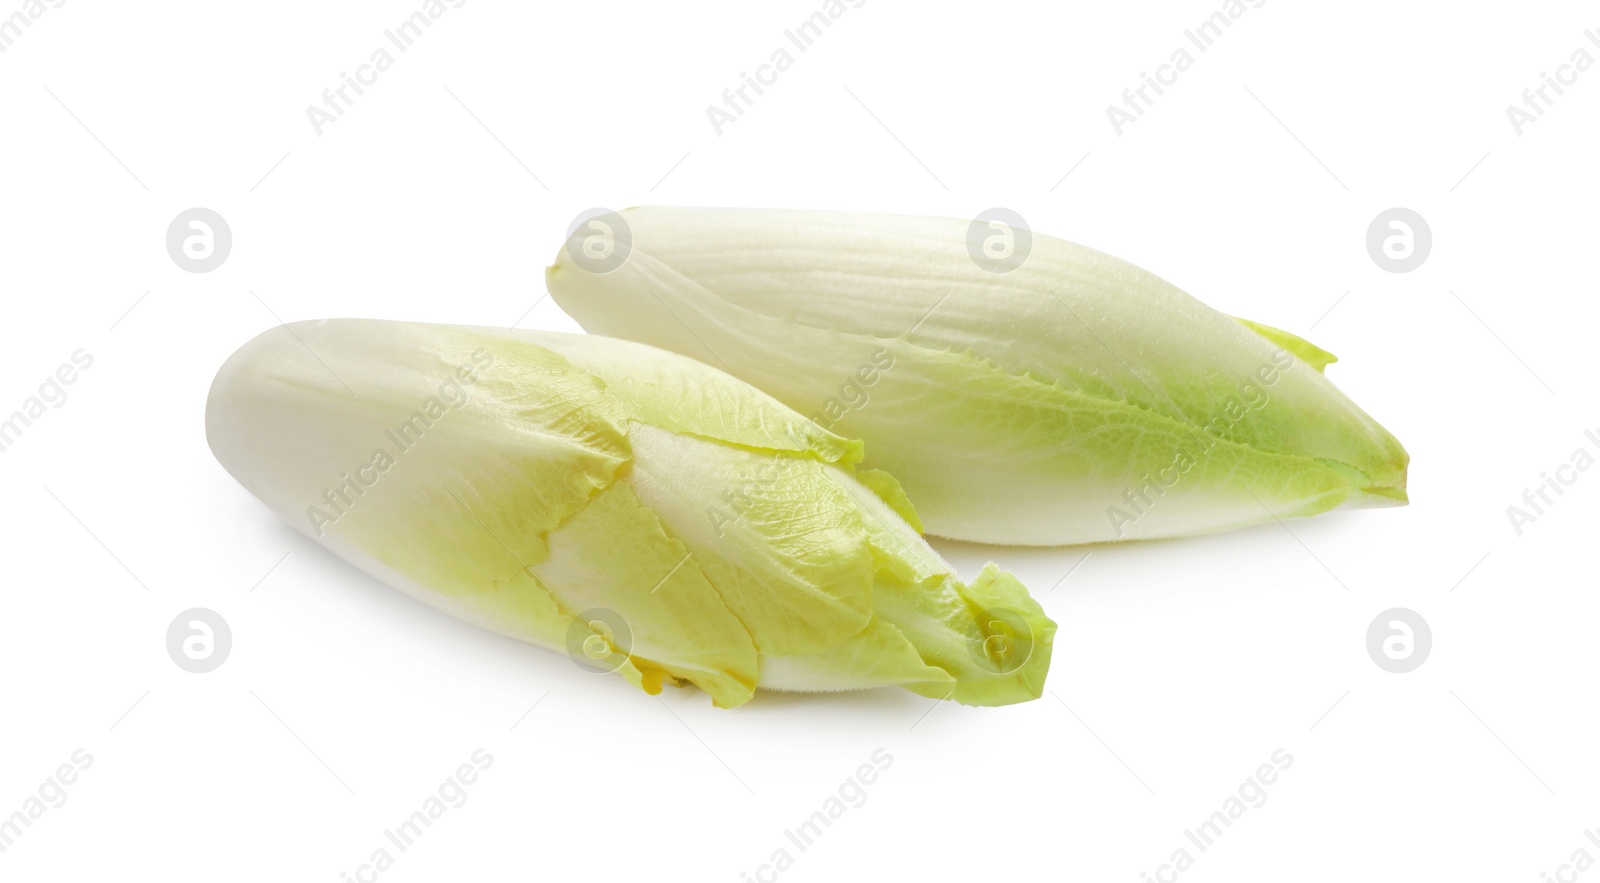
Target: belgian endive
{"x": 641, "y": 511}
{"x": 1023, "y": 389}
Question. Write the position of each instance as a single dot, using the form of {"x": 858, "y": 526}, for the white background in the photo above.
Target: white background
{"x": 442, "y": 193}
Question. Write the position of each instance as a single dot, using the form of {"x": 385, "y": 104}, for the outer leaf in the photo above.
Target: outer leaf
{"x": 1303, "y": 349}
